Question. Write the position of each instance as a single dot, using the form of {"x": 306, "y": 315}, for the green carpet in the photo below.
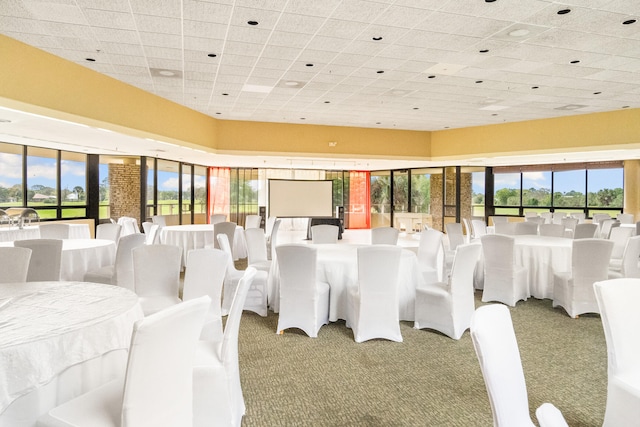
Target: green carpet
{"x": 427, "y": 380}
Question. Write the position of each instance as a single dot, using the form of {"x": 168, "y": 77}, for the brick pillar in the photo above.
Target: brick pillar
{"x": 124, "y": 189}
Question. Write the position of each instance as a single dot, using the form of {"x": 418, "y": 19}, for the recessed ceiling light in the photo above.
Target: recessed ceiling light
{"x": 225, "y": 94}
{"x": 377, "y": 38}
{"x": 327, "y": 102}
{"x": 478, "y": 81}
{"x": 291, "y": 83}
{"x": 597, "y": 93}
{"x": 380, "y": 71}
{"x": 218, "y": 112}
{"x": 416, "y": 108}
{"x": 575, "y": 61}
{"x": 535, "y": 87}
{"x": 520, "y": 32}
{"x": 309, "y": 65}
{"x": 379, "y": 123}
{"x": 487, "y": 1}
{"x": 166, "y": 73}
{"x": 629, "y": 22}
{"x": 431, "y": 77}
{"x": 625, "y": 106}
{"x": 212, "y": 55}
{"x": 90, "y": 59}
{"x": 252, "y": 22}
{"x": 494, "y": 114}
{"x": 303, "y": 118}
{"x": 563, "y": 11}
{"x": 483, "y": 50}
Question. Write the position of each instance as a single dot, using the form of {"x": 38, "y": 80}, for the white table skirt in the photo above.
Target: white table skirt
{"x": 9, "y": 234}
{"x": 337, "y": 265}
{"x": 197, "y": 236}
{"x": 82, "y": 255}
{"x": 51, "y": 332}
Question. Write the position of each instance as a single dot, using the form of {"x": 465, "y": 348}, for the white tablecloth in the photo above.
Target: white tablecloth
{"x": 82, "y": 255}
{"x": 48, "y": 329}
{"x": 197, "y": 236}
{"x": 337, "y": 265}
{"x": 9, "y": 234}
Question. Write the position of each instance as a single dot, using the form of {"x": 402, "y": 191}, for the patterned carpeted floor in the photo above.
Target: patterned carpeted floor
{"x": 428, "y": 380}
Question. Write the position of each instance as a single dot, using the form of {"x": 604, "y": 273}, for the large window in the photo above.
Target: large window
{"x": 42, "y": 181}
{"x": 73, "y": 184}
{"x": 244, "y": 194}
{"x": 380, "y": 199}
{"x": 11, "y": 175}
{"x": 604, "y": 189}
{"x": 421, "y": 191}
{"x": 477, "y": 193}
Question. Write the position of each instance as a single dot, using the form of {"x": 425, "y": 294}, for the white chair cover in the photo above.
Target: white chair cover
{"x": 324, "y": 233}
{"x": 431, "y": 255}
{"x": 618, "y": 303}
{"x": 129, "y": 225}
{"x": 628, "y": 266}
{"x": 499, "y": 219}
{"x": 152, "y": 235}
{"x": 467, "y": 230}
{"x": 606, "y": 226}
{"x": 46, "y": 259}
{"x": 573, "y": 290}
{"x": 373, "y": 303}
{"x": 448, "y": 307}
{"x": 54, "y": 230}
{"x": 548, "y": 217}
{"x": 497, "y": 349}
{"x": 252, "y": 221}
{"x": 455, "y": 235}
{"x": 550, "y": 416}
{"x": 216, "y": 218}
{"x": 304, "y": 301}
{"x": 121, "y": 273}
{"x": 626, "y": 218}
{"x": 557, "y": 217}
{"x": 619, "y": 237}
{"x": 204, "y": 275}
{"x": 228, "y": 228}
{"x": 14, "y": 264}
{"x": 272, "y": 240}
{"x": 585, "y": 231}
{"x": 384, "y": 236}
{"x": 504, "y": 281}
{"x": 506, "y": 228}
{"x": 526, "y": 228}
{"x": 570, "y": 224}
{"x": 160, "y": 220}
{"x": 257, "y": 249}
{"x": 157, "y": 388}
{"x": 109, "y": 231}
{"x": 580, "y": 216}
{"x": 156, "y": 276}
{"x": 552, "y": 230}
{"x": 217, "y": 395}
{"x": 479, "y": 228}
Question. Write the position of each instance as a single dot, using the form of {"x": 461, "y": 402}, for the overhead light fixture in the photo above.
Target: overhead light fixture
{"x": 257, "y": 88}
{"x": 563, "y": 11}
{"x": 629, "y": 22}
{"x": 520, "y": 32}
{"x": 164, "y": 72}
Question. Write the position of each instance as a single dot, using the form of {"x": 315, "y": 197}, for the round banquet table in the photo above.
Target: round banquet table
{"x": 337, "y": 264}
{"x": 197, "y": 236}
{"x": 82, "y": 255}
{"x": 9, "y": 234}
{"x": 59, "y": 340}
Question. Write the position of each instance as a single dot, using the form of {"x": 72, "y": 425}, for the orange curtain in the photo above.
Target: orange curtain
{"x": 219, "y": 191}
{"x": 359, "y": 200}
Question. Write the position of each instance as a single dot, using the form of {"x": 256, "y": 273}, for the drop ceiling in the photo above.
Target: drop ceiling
{"x": 415, "y": 65}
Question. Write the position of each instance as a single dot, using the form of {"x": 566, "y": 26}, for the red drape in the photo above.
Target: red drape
{"x": 359, "y": 199}
{"x": 219, "y": 191}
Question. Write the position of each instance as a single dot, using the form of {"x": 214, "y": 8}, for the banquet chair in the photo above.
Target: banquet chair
{"x": 14, "y": 264}
{"x": 160, "y": 220}
{"x": 535, "y": 219}
{"x": 606, "y": 226}
{"x": 156, "y": 276}
{"x": 638, "y": 228}
{"x": 157, "y": 386}
{"x": 499, "y": 219}
{"x": 496, "y": 346}
{"x": 121, "y": 272}
{"x": 216, "y": 218}
{"x": 217, "y": 390}
{"x": 527, "y": 228}
{"x": 373, "y": 301}
{"x": 448, "y": 306}
{"x": 272, "y": 239}
{"x": 257, "y": 250}
{"x": 479, "y": 228}
{"x": 557, "y": 217}
{"x": 146, "y": 227}
{"x": 153, "y": 236}
{"x": 627, "y": 266}
{"x": 431, "y": 257}
{"x": 46, "y": 259}
{"x": 256, "y": 300}
{"x": 573, "y": 290}
{"x": 598, "y": 218}
{"x": 204, "y": 275}
{"x": 304, "y": 300}
{"x": 54, "y": 230}
{"x": 551, "y": 230}
{"x": 268, "y": 226}
{"x": 468, "y": 232}
{"x": 569, "y": 224}
{"x": 384, "y": 236}
{"x": 580, "y": 216}
{"x": 225, "y": 227}
{"x": 129, "y": 225}
{"x": 619, "y": 237}
{"x": 585, "y": 231}
{"x": 531, "y": 214}
{"x": 252, "y": 221}
{"x": 548, "y": 217}
{"x": 626, "y": 218}
{"x": 504, "y": 280}
{"x": 618, "y": 303}
{"x": 109, "y": 231}
{"x": 506, "y": 228}
{"x": 454, "y": 235}
{"x": 324, "y": 233}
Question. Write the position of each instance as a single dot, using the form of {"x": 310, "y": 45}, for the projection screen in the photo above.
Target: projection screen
{"x": 297, "y": 198}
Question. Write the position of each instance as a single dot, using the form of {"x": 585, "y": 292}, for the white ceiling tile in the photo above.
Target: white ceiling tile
{"x": 47, "y": 11}
{"x": 211, "y": 12}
